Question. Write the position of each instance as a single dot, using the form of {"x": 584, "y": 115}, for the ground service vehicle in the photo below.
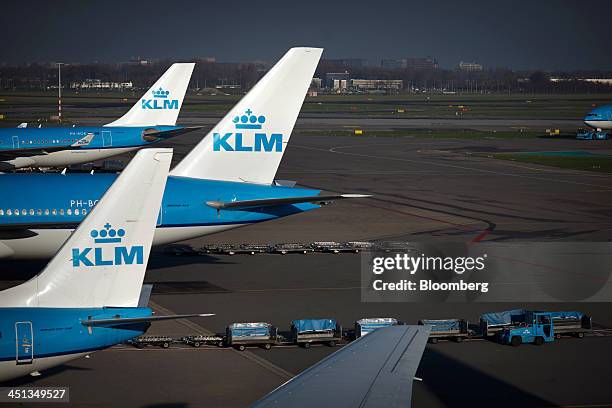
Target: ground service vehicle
{"x": 451, "y": 329}
{"x": 308, "y": 331}
{"x": 538, "y": 329}
{"x": 260, "y": 334}
{"x": 368, "y": 325}
{"x": 592, "y": 134}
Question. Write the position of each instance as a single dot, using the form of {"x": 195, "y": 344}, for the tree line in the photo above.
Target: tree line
{"x": 242, "y": 76}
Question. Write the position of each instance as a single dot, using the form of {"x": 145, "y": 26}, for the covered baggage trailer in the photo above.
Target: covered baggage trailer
{"x": 305, "y": 332}
{"x": 367, "y": 325}
{"x": 451, "y": 329}
{"x": 571, "y": 324}
{"x": 260, "y": 334}
{"x": 491, "y": 324}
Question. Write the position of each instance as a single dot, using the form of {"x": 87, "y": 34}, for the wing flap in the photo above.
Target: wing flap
{"x": 268, "y": 202}
{"x": 376, "y": 370}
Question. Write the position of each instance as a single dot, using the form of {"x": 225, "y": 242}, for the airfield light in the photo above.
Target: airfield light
{"x": 59, "y": 90}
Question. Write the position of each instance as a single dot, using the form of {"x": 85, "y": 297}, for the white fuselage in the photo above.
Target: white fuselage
{"x": 66, "y": 158}
{"x": 44, "y": 243}
{"x": 10, "y": 369}
{"x": 599, "y": 124}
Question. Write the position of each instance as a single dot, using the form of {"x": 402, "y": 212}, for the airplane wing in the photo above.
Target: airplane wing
{"x": 132, "y": 320}
{"x": 38, "y": 225}
{"x": 9, "y": 154}
{"x": 377, "y": 370}
{"x": 268, "y": 202}
{"x": 154, "y": 134}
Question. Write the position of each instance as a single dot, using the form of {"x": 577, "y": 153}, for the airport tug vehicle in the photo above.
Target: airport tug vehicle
{"x": 592, "y": 134}
{"x": 537, "y": 329}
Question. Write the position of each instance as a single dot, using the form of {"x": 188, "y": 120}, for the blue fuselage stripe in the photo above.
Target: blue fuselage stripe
{"x": 104, "y": 137}
{"x": 48, "y": 332}
{"x": 56, "y": 199}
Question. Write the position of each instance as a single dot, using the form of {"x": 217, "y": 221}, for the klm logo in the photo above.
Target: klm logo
{"x": 115, "y": 255}
{"x": 236, "y": 142}
{"x": 160, "y": 101}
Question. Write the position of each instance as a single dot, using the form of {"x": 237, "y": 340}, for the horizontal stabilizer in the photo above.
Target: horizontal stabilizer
{"x": 268, "y": 202}
{"x": 285, "y": 183}
{"x": 133, "y": 320}
{"x": 154, "y": 134}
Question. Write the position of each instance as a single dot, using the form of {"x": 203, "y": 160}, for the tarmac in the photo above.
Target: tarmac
{"x": 423, "y": 190}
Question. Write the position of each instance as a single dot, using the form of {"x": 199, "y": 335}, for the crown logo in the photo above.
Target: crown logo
{"x": 249, "y": 121}
{"x": 160, "y": 93}
{"x": 107, "y": 235}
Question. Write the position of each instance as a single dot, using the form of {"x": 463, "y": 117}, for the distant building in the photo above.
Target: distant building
{"x": 337, "y": 80}
{"x": 350, "y": 62}
{"x": 469, "y": 66}
{"x": 606, "y": 81}
{"x": 316, "y": 83}
{"x": 139, "y": 61}
{"x": 377, "y": 84}
{"x": 421, "y": 63}
{"x": 394, "y": 63}
{"x": 98, "y": 84}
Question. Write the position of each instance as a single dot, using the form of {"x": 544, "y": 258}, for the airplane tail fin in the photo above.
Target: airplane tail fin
{"x": 84, "y": 141}
{"x": 161, "y": 104}
{"x": 103, "y": 262}
{"x": 248, "y": 143}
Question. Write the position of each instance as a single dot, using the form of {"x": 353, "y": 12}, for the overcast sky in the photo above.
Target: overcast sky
{"x": 554, "y": 35}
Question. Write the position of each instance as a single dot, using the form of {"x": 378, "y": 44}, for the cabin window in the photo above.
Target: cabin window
{"x": 8, "y": 212}
{"x": 84, "y": 212}
{"x": 24, "y": 212}
{"x": 31, "y": 212}
{"x": 1, "y": 212}
{"x": 61, "y": 211}
{"x": 54, "y": 211}
{"x": 69, "y": 212}
{"x": 76, "y": 211}
{"x": 39, "y": 212}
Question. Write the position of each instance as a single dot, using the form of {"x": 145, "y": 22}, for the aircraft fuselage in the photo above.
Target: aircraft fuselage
{"x": 35, "y": 222}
